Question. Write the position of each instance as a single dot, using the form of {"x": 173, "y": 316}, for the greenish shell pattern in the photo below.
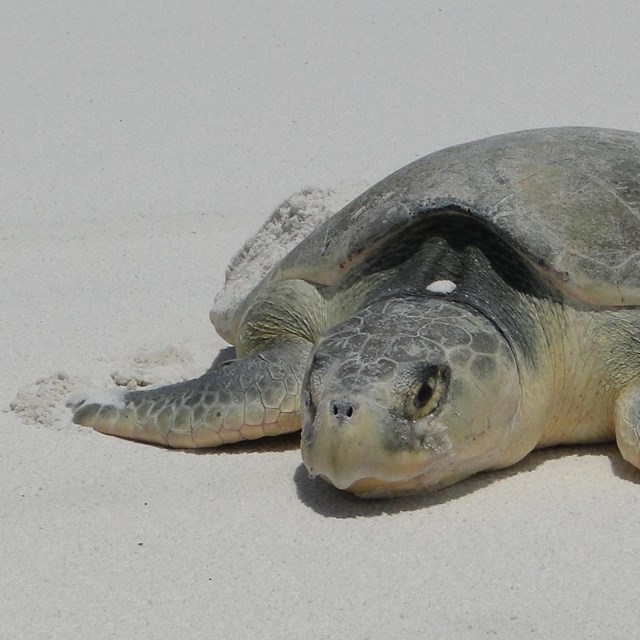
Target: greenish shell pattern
{"x": 567, "y": 198}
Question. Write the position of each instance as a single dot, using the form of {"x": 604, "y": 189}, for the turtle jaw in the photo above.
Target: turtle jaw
{"x": 357, "y": 455}
{"x": 376, "y": 488}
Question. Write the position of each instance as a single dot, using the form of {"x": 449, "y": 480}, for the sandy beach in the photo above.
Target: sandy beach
{"x": 140, "y": 145}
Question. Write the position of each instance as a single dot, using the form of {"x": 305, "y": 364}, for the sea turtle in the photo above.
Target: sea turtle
{"x": 478, "y": 303}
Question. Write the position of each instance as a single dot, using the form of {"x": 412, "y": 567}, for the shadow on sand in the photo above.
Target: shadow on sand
{"x": 330, "y": 502}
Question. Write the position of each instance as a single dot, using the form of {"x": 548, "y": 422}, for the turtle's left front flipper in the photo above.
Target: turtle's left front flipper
{"x": 627, "y": 421}
{"x": 255, "y": 396}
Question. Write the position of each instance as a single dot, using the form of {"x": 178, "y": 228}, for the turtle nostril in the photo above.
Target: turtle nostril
{"x": 342, "y": 409}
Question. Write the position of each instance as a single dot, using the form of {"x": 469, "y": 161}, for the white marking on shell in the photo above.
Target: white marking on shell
{"x": 442, "y": 286}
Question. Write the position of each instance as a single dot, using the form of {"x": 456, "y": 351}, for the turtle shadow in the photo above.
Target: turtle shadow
{"x": 330, "y": 502}
{"x": 621, "y": 468}
{"x": 272, "y": 444}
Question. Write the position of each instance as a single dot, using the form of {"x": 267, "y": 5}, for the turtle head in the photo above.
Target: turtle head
{"x": 406, "y": 395}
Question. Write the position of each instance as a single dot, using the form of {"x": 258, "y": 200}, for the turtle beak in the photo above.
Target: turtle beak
{"x": 343, "y": 443}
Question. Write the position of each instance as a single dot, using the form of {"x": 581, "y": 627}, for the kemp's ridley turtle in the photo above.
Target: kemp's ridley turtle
{"x": 477, "y": 304}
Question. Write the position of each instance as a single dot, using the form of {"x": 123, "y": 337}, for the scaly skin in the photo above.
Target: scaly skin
{"x": 535, "y": 343}
{"x": 256, "y": 396}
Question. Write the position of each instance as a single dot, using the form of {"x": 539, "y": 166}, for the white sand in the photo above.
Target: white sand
{"x": 140, "y": 145}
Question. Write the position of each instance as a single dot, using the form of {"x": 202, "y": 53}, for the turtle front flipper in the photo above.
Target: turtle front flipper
{"x": 256, "y": 396}
{"x": 627, "y": 421}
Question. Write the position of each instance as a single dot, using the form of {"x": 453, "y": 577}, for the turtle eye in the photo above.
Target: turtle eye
{"x": 425, "y": 396}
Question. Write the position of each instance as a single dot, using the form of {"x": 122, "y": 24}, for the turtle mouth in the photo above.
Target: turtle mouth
{"x": 357, "y": 455}
{"x": 385, "y": 482}
{"x": 376, "y": 488}
{"x": 406, "y": 475}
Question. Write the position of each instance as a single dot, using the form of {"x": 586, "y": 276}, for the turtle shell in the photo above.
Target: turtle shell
{"x": 566, "y": 198}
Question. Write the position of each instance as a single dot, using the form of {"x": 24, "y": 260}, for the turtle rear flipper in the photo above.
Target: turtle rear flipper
{"x": 255, "y": 396}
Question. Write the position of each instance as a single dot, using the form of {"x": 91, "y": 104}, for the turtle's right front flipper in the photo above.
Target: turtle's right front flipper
{"x": 258, "y": 395}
